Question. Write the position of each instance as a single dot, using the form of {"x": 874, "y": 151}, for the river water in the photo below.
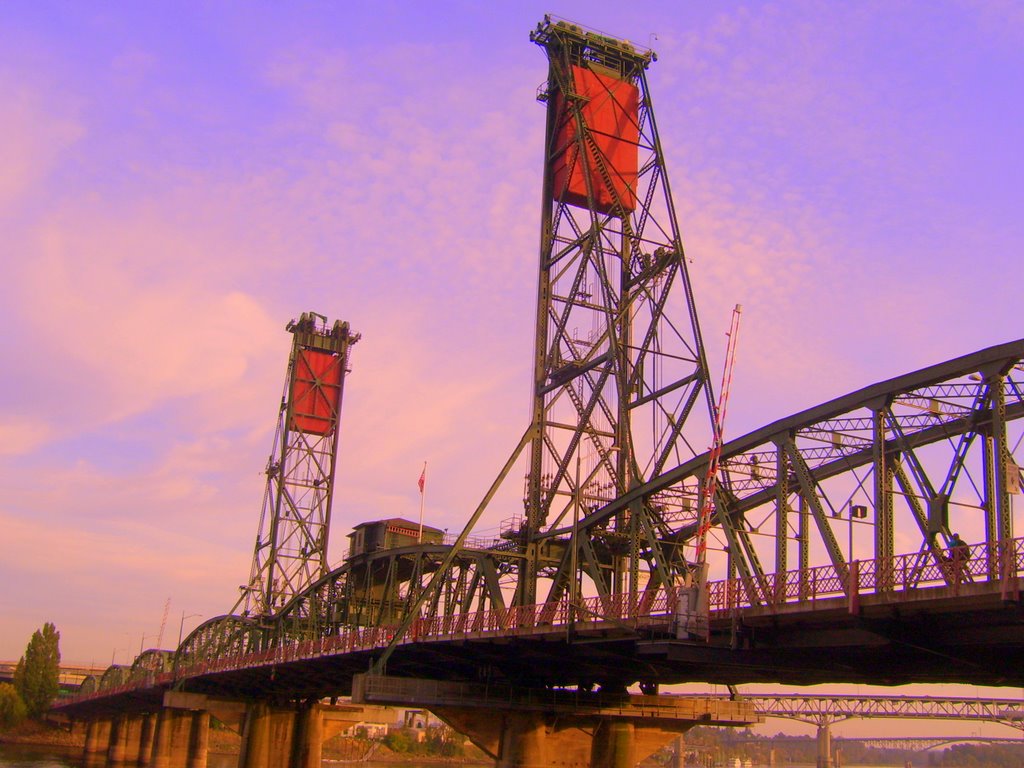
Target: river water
{"x": 27, "y": 756}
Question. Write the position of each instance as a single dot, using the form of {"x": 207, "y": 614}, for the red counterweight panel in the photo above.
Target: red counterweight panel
{"x": 316, "y": 389}
{"x": 610, "y": 110}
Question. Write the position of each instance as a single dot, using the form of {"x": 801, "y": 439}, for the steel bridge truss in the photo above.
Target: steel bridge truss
{"x": 949, "y": 432}
{"x": 917, "y": 457}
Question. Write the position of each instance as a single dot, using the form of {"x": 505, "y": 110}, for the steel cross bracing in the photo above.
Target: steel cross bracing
{"x": 919, "y": 456}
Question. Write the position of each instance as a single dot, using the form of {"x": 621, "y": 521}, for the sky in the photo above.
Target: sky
{"x": 178, "y": 180}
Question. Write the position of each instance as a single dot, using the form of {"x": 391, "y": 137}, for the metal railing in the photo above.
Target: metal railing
{"x": 998, "y": 565}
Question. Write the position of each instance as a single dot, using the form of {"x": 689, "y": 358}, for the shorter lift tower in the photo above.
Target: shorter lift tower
{"x": 619, "y": 363}
{"x": 291, "y": 546}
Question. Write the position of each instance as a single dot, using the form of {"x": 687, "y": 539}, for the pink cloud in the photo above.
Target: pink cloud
{"x": 36, "y": 129}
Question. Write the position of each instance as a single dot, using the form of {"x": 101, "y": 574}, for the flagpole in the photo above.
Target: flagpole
{"x": 423, "y": 485}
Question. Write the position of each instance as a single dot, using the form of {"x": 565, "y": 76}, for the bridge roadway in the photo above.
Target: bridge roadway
{"x": 918, "y": 630}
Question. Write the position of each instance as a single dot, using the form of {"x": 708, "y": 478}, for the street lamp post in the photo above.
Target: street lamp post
{"x": 181, "y": 626}
{"x": 181, "y": 629}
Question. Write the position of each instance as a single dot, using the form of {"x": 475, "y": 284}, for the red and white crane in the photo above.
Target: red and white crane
{"x": 711, "y": 476}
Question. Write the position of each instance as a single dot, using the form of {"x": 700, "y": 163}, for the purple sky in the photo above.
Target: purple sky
{"x": 178, "y": 180}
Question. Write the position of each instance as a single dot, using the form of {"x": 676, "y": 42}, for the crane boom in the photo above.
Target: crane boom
{"x": 711, "y": 476}
{"x": 163, "y": 623}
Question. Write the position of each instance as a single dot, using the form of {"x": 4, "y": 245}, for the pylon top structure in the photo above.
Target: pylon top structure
{"x": 619, "y": 364}
{"x": 291, "y": 545}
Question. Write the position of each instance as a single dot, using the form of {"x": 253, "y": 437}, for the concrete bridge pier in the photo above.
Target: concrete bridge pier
{"x": 171, "y": 739}
{"x": 539, "y": 728}
{"x": 160, "y": 754}
{"x": 307, "y": 749}
{"x": 824, "y": 746}
{"x": 284, "y": 737}
{"x": 97, "y": 741}
{"x": 117, "y": 746}
{"x": 613, "y": 744}
{"x": 198, "y": 740}
{"x": 678, "y": 753}
{"x": 146, "y": 739}
{"x": 133, "y": 738}
{"x": 181, "y": 734}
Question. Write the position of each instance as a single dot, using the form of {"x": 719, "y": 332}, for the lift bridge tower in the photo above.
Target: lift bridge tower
{"x": 619, "y": 367}
{"x": 291, "y": 545}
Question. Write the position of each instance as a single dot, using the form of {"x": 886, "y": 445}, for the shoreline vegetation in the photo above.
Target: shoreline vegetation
{"x": 340, "y": 749}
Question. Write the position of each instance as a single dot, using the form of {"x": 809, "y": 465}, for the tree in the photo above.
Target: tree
{"x": 12, "y": 708}
{"x": 36, "y": 677}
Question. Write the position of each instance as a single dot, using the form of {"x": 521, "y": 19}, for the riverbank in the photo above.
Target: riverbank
{"x": 341, "y": 750}
{"x": 42, "y": 734}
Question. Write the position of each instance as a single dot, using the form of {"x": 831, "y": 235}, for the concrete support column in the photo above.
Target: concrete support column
{"x": 181, "y": 737}
{"x": 614, "y": 745}
{"x": 133, "y": 739}
{"x": 161, "y": 753}
{"x": 824, "y": 746}
{"x": 308, "y": 739}
{"x": 523, "y": 742}
{"x": 146, "y": 740}
{"x": 255, "y": 751}
{"x": 118, "y": 743}
{"x": 96, "y": 735}
{"x": 678, "y": 753}
{"x": 198, "y": 740}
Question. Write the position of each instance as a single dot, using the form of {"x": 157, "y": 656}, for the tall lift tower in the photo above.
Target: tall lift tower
{"x": 291, "y": 545}
{"x": 619, "y": 365}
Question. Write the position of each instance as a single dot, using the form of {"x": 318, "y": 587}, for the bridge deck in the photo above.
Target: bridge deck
{"x": 891, "y": 627}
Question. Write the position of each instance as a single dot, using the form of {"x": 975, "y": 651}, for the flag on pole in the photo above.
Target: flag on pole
{"x": 423, "y": 477}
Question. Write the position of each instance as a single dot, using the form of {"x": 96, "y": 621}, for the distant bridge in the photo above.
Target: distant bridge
{"x": 825, "y": 711}
{"x": 70, "y": 676}
{"x": 925, "y": 743}
{"x": 908, "y": 743}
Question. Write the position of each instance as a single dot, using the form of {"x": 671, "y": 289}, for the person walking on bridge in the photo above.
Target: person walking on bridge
{"x": 959, "y": 552}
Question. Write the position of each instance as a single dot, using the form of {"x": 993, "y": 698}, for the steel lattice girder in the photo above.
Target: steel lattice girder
{"x": 920, "y": 427}
{"x": 377, "y": 589}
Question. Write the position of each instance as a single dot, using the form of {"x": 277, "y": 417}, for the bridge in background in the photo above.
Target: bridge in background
{"x": 70, "y": 676}
{"x": 822, "y": 549}
{"x": 825, "y": 711}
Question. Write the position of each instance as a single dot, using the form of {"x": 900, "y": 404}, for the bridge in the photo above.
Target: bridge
{"x": 825, "y": 711}
{"x": 634, "y": 560}
{"x": 69, "y": 676}
{"x": 925, "y": 744}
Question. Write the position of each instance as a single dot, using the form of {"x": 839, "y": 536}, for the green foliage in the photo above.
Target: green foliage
{"x": 400, "y": 742}
{"x": 12, "y": 708}
{"x": 445, "y": 742}
{"x": 36, "y": 678}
